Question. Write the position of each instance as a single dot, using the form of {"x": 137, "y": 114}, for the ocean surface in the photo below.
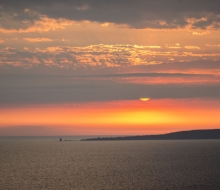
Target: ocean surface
{"x": 45, "y": 163}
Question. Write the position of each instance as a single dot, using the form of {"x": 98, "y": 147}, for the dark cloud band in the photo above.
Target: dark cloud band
{"x": 136, "y": 14}
{"x": 40, "y": 89}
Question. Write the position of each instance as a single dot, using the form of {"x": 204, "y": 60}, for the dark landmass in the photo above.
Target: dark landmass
{"x": 180, "y": 135}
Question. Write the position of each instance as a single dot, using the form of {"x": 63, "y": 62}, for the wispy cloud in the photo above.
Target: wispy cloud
{"x": 213, "y": 45}
{"x": 102, "y": 56}
{"x": 38, "y": 39}
{"x": 200, "y": 33}
{"x": 192, "y": 47}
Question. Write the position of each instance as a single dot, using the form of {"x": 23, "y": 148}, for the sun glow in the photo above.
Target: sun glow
{"x": 144, "y": 99}
{"x": 122, "y": 117}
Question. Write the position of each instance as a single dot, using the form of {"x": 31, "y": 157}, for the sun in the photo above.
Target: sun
{"x": 144, "y": 99}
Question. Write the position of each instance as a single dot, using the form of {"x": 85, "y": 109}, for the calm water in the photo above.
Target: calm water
{"x": 49, "y": 164}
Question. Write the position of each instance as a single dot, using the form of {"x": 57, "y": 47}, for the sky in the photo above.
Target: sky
{"x": 85, "y": 67}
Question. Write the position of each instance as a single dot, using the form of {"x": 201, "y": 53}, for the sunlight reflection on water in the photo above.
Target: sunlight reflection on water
{"x": 50, "y": 164}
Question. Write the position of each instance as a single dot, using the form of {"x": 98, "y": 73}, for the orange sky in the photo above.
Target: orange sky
{"x": 116, "y": 118}
{"x": 80, "y": 67}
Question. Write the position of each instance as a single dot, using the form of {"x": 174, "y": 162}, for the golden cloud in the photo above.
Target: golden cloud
{"x": 45, "y": 24}
{"x": 192, "y": 47}
{"x": 119, "y": 55}
{"x": 213, "y": 45}
{"x": 38, "y": 39}
{"x": 200, "y": 33}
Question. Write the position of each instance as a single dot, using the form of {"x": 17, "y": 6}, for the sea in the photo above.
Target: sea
{"x": 28, "y": 163}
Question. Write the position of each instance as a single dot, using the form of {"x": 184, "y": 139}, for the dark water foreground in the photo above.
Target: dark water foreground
{"x": 186, "y": 164}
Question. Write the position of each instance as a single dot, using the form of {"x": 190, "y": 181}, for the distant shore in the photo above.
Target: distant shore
{"x": 180, "y": 135}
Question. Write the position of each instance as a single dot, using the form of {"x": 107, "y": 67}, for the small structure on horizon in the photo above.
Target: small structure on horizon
{"x": 61, "y": 139}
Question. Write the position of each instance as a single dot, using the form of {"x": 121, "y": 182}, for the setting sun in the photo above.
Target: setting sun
{"x": 109, "y": 94}
{"x": 66, "y": 65}
{"x": 144, "y": 99}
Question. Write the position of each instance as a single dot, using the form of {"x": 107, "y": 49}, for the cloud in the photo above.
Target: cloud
{"x": 38, "y": 39}
{"x": 62, "y": 91}
{"x": 42, "y": 24}
{"x": 192, "y": 47}
{"x": 102, "y": 56}
{"x": 151, "y": 47}
{"x": 158, "y": 14}
{"x": 200, "y": 33}
{"x": 211, "y": 45}
{"x": 60, "y": 74}
{"x": 55, "y": 85}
